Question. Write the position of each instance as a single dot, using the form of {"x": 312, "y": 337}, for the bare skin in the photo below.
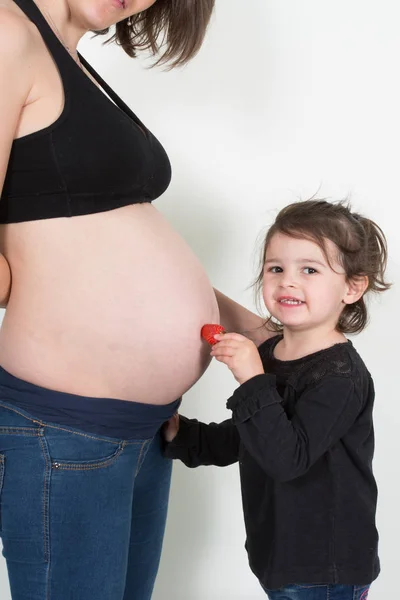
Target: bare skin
{"x": 5, "y": 281}
{"x": 104, "y": 305}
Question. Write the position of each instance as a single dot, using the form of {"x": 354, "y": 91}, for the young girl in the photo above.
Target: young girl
{"x": 301, "y": 425}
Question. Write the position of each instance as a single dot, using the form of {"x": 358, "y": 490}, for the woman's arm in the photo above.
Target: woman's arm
{"x": 15, "y": 50}
{"x": 5, "y": 281}
{"x": 237, "y": 318}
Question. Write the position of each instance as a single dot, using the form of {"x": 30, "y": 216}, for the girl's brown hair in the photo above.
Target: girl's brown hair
{"x": 361, "y": 243}
{"x": 177, "y": 26}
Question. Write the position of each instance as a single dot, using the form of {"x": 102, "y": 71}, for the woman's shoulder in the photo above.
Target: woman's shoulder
{"x": 17, "y": 34}
{"x": 18, "y": 45}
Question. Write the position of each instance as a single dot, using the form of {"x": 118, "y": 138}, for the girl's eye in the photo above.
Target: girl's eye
{"x": 309, "y": 270}
{"x": 275, "y": 269}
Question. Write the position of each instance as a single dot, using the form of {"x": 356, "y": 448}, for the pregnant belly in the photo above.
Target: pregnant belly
{"x": 116, "y": 315}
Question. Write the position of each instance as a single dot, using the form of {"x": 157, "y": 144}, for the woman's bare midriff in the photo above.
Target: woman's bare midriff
{"x": 106, "y": 305}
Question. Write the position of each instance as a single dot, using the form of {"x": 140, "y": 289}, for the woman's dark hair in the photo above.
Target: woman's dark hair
{"x": 174, "y": 27}
{"x": 362, "y": 249}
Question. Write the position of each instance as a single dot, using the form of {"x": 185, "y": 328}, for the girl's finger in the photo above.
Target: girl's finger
{"x": 223, "y": 359}
{"x": 226, "y": 352}
{"x": 230, "y": 336}
{"x": 227, "y": 344}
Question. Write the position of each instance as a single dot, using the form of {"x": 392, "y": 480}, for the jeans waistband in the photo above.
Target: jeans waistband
{"x": 121, "y": 419}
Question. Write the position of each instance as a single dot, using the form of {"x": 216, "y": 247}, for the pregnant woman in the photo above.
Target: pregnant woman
{"x": 101, "y": 335}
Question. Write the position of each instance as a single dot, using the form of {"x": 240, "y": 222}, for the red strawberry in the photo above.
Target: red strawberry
{"x": 208, "y": 331}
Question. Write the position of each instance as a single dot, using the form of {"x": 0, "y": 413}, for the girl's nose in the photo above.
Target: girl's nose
{"x": 288, "y": 280}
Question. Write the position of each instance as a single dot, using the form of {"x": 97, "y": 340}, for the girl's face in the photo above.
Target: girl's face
{"x": 100, "y": 14}
{"x": 300, "y": 288}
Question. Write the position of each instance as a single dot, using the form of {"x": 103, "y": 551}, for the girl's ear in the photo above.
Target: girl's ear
{"x": 356, "y": 287}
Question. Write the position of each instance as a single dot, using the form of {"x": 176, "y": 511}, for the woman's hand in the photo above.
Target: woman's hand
{"x": 170, "y": 428}
{"x": 239, "y": 354}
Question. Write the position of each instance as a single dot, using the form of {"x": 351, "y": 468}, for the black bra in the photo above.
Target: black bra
{"x": 95, "y": 157}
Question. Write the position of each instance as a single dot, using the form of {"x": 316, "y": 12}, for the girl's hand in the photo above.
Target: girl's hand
{"x": 171, "y": 428}
{"x": 239, "y": 354}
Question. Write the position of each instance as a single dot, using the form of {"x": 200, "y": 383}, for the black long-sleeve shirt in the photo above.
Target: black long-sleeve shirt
{"x": 303, "y": 435}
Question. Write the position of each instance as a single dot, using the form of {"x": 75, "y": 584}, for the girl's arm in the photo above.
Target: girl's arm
{"x": 284, "y": 447}
{"x": 198, "y": 444}
{"x": 235, "y": 317}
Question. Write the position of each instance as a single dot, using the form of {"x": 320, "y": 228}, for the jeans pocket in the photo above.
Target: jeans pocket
{"x": 88, "y": 465}
{"x": 73, "y": 450}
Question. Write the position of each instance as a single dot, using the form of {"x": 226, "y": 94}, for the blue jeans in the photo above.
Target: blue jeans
{"x": 320, "y": 592}
{"x": 82, "y": 516}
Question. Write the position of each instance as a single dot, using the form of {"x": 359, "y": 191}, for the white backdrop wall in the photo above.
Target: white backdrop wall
{"x": 286, "y": 98}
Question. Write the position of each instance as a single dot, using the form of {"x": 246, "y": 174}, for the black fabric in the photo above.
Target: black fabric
{"x": 121, "y": 419}
{"x": 308, "y": 490}
{"x": 95, "y": 157}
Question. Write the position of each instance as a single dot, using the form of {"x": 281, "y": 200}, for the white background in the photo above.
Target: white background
{"x": 286, "y": 98}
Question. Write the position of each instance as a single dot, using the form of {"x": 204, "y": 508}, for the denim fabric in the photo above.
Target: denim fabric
{"x": 320, "y": 592}
{"x": 82, "y": 516}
